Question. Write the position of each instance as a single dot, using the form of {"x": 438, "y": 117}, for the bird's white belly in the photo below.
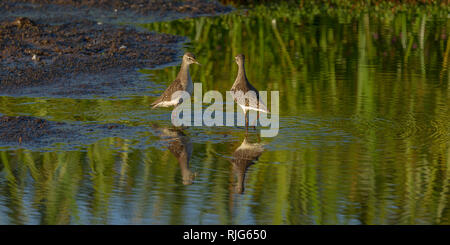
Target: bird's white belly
{"x": 248, "y": 108}
{"x": 173, "y": 102}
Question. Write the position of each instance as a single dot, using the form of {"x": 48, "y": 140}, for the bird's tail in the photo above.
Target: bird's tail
{"x": 154, "y": 104}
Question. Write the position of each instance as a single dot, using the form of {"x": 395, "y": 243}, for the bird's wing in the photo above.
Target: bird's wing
{"x": 167, "y": 94}
{"x": 253, "y": 100}
{"x": 257, "y": 102}
{"x": 262, "y": 106}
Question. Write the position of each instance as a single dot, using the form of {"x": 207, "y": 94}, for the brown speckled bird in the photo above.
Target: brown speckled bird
{"x": 182, "y": 82}
{"x": 253, "y": 101}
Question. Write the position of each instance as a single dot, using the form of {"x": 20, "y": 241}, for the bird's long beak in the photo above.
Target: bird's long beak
{"x": 196, "y": 62}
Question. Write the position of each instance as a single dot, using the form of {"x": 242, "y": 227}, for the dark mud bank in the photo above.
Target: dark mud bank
{"x": 36, "y": 133}
{"x": 76, "y": 58}
{"x": 25, "y": 129}
{"x": 74, "y": 48}
{"x": 116, "y": 9}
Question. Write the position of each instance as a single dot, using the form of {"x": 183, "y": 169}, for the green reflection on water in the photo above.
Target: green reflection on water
{"x": 364, "y": 135}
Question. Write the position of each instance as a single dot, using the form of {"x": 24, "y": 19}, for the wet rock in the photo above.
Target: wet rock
{"x": 23, "y": 22}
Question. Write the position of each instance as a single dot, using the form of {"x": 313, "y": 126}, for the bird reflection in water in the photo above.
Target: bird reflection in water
{"x": 180, "y": 145}
{"x": 244, "y": 156}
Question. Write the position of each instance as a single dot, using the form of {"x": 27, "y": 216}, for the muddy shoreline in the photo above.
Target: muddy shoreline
{"x": 36, "y": 55}
{"x": 24, "y": 129}
{"x": 76, "y": 55}
{"x": 191, "y": 8}
{"x": 38, "y": 133}
{"x": 74, "y": 49}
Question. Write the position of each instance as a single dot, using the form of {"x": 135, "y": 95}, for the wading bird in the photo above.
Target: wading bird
{"x": 247, "y": 101}
{"x": 182, "y": 82}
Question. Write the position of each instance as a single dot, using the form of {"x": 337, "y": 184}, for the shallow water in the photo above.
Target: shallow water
{"x": 364, "y": 134}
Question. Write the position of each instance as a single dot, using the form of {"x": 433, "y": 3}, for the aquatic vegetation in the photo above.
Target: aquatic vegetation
{"x": 344, "y": 10}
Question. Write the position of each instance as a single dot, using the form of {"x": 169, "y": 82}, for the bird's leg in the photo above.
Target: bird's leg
{"x": 246, "y": 121}
{"x": 257, "y": 118}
